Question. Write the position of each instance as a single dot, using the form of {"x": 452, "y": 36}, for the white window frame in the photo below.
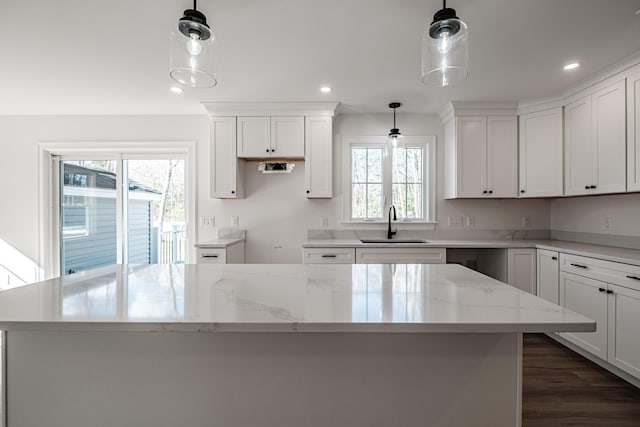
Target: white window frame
{"x": 48, "y": 217}
{"x": 429, "y": 178}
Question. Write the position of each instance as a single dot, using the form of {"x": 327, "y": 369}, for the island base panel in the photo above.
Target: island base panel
{"x": 79, "y": 379}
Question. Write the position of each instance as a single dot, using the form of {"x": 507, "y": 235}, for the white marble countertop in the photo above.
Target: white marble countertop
{"x": 282, "y": 298}
{"x": 609, "y": 253}
{"x": 218, "y": 243}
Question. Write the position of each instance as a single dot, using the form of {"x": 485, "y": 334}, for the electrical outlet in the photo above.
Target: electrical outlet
{"x": 526, "y": 221}
{"x": 471, "y": 221}
{"x": 235, "y": 221}
{"x": 324, "y": 222}
{"x": 608, "y": 223}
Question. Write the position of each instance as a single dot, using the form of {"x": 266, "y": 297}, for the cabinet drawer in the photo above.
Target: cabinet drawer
{"x": 401, "y": 255}
{"x": 329, "y": 255}
{"x": 606, "y": 271}
{"x": 212, "y": 256}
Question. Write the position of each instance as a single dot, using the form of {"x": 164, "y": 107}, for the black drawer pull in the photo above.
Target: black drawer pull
{"x": 586, "y": 187}
{"x": 329, "y": 256}
{"x": 601, "y": 289}
{"x": 209, "y": 256}
{"x": 633, "y": 277}
{"x": 490, "y": 191}
{"x": 579, "y": 266}
{"x": 555, "y": 258}
{"x": 522, "y": 191}
{"x": 609, "y": 291}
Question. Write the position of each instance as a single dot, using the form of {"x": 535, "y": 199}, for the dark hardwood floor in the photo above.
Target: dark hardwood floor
{"x": 561, "y": 388}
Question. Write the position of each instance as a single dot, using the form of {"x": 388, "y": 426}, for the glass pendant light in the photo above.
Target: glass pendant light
{"x": 445, "y": 49}
{"x": 394, "y": 134}
{"x": 192, "y": 60}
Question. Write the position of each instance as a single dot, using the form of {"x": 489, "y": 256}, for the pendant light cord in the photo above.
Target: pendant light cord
{"x": 196, "y": 8}
{"x": 394, "y": 118}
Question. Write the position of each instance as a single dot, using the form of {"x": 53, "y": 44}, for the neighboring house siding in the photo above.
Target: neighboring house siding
{"x": 98, "y": 247}
{"x": 139, "y": 232}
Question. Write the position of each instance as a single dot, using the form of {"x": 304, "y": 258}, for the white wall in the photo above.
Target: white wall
{"x": 275, "y": 212}
{"x": 588, "y": 214}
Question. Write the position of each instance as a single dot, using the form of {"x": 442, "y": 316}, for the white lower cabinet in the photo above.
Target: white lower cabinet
{"x": 329, "y": 255}
{"x": 401, "y": 255}
{"x": 547, "y": 267}
{"x": 521, "y": 269}
{"x": 589, "y": 298}
{"x": 586, "y": 287}
{"x": 623, "y": 322}
{"x": 232, "y": 254}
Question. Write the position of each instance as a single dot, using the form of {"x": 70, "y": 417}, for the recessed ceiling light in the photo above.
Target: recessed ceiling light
{"x": 176, "y": 89}
{"x": 571, "y": 66}
{"x": 325, "y": 89}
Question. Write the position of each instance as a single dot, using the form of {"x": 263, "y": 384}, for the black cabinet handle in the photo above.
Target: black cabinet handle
{"x": 490, "y": 191}
{"x": 609, "y": 291}
{"x": 273, "y": 150}
{"x": 522, "y": 191}
{"x": 233, "y": 192}
{"x": 308, "y": 191}
{"x": 593, "y": 186}
{"x": 555, "y": 258}
{"x": 633, "y": 277}
{"x": 586, "y": 187}
{"x": 601, "y": 289}
{"x": 329, "y": 256}
{"x": 484, "y": 192}
{"x": 267, "y": 150}
{"x": 579, "y": 266}
{"x": 209, "y": 256}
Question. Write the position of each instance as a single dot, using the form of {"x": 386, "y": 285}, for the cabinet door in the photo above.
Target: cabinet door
{"x": 548, "y": 275}
{"x": 624, "y": 339}
{"x": 502, "y": 157}
{"x": 609, "y": 132}
{"x": 633, "y": 131}
{"x": 589, "y": 298}
{"x": 225, "y": 173}
{"x": 318, "y": 158}
{"x": 581, "y": 153}
{"x": 254, "y": 136}
{"x": 287, "y": 136}
{"x": 521, "y": 269}
{"x": 541, "y": 154}
{"x": 471, "y": 167}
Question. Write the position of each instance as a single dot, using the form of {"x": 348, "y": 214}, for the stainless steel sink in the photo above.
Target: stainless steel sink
{"x": 393, "y": 241}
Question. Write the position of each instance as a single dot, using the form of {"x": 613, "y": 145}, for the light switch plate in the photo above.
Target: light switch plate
{"x": 324, "y": 222}
{"x": 235, "y": 221}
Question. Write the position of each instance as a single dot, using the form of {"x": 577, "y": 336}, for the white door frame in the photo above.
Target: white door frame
{"x": 48, "y": 217}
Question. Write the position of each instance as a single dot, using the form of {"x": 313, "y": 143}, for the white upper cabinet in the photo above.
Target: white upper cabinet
{"x": 480, "y": 150}
{"x": 318, "y": 157}
{"x": 254, "y": 137}
{"x": 264, "y": 137}
{"x": 595, "y": 141}
{"x": 226, "y": 170}
{"x": 633, "y": 130}
{"x": 541, "y": 153}
{"x": 287, "y": 136}
{"x": 502, "y": 156}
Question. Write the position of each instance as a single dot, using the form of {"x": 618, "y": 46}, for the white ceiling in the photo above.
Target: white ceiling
{"x": 111, "y": 56}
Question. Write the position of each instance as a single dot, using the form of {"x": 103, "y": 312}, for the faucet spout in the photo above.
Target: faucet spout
{"x": 390, "y": 233}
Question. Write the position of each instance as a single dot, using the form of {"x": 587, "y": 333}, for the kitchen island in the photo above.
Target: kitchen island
{"x": 270, "y": 345}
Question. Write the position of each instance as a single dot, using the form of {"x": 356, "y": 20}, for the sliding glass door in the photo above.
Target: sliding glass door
{"x": 129, "y": 209}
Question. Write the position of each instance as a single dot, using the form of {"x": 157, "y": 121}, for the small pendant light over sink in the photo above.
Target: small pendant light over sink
{"x": 394, "y": 134}
{"x": 192, "y": 60}
{"x": 445, "y": 49}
